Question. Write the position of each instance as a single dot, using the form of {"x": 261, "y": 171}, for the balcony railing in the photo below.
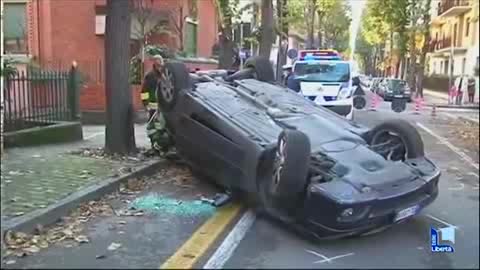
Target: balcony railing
{"x": 448, "y": 4}
{"x": 436, "y": 45}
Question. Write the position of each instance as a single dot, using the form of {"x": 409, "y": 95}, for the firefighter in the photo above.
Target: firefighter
{"x": 156, "y": 129}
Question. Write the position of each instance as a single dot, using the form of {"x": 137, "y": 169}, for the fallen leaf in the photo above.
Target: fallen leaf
{"x": 68, "y": 233}
{"x": 10, "y": 262}
{"x": 81, "y": 239}
{"x": 15, "y": 173}
{"x": 21, "y": 254}
{"x": 17, "y": 214}
{"x": 114, "y": 246}
{"x": 121, "y": 232}
{"x": 103, "y": 256}
{"x": 32, "y": 249}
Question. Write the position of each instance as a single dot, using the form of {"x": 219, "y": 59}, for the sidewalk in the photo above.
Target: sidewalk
{"x": 36, "y": 177}
{"x": 440, "y": 99}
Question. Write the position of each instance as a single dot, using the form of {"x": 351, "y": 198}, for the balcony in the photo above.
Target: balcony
{"x": 442, "y": 47}
{"x": 451, "y": 8}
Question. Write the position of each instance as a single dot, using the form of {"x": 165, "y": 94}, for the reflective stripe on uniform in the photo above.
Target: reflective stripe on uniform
{"x": 152, "y": 106}
{"x": 145, "y": 96}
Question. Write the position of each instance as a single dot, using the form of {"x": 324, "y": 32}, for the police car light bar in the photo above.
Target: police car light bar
{"x": 319, "y": 55}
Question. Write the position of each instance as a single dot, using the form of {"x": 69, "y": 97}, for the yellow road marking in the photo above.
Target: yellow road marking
{"x": 194, "y": 248}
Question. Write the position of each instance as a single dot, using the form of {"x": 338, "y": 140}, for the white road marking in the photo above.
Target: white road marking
{"x": 450, "y": 115}
{"x": 441, "y": 221}
{"x": 451, "y": 146}
{"x": 225, "y": 250}
{"x": 325, "y": 258}
{"x": 94, "y": 135}
{"x": 461, "y": 186}
{"x": 329, "y": 260}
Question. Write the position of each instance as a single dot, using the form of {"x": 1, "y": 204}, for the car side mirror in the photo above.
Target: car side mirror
{"x": 355, "y": 81}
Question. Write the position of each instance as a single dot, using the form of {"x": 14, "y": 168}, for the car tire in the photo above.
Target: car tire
{"x": 292, "y": 161}
{"x": 178, "y": 79}
{"x": 263, "y": 70}
{"x": 407, "y": 132}
{"x": 359, "y": 102}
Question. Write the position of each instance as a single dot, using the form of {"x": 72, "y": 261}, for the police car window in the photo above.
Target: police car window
{"x": 326, "y": 72}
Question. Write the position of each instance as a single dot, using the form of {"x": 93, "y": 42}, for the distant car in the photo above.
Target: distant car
{"x": 394, "y": 88}
{"x": 375, "y": 83}
{"x": 301, "y": 163}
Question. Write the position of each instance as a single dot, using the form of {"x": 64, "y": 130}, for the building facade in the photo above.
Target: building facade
{"x": 54, "y": 33}
{"x": 455, "y": 37}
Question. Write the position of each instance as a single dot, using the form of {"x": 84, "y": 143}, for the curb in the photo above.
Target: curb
{"x": 455, "y": 106}
{"x": 54, "y": 212}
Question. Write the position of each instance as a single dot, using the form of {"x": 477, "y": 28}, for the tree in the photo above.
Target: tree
{"x": 282, "y": 30}
{"x": 226, "y": 9}
{"x": 309, "y": 10}
{"x": 120, "y": 136}
{"x": 147, "y": 21}
{"x": 335, "y": 25}
{"x": 267, "y": 29}
{"x": 324, "y": 7}
{"x": 425, "y": 31}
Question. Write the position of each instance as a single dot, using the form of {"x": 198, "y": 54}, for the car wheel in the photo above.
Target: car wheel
{"x": 291, "y": 165}
{"x": 396, "y": 140}
{"x": 263, "y": 70}
{"x": 177, "y": 79}
{"x": 359, "y": 102}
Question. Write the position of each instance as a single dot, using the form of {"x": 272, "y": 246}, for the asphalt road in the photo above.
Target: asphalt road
{"x": 268, "y": 245}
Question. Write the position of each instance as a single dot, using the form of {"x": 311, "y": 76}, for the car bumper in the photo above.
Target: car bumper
{"x": 391, "y": 96}
{"x": 380, "y": 213}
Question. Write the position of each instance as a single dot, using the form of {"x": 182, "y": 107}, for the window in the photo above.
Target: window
{"x": 190, "y": 38}
{"x": 15, "y": 28}
{"x": 100, "y": 19}
{"x": 467, "y": 27}
{"x": 445, "y": 67}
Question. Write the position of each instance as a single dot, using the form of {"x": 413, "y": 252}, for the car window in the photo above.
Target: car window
{"x": 324, "y": 72}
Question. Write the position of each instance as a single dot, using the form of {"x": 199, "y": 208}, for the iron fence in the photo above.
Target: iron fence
{"x": 37, "y": 98}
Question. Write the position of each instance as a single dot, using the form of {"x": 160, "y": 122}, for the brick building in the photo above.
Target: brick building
{"x": 53, "y": 33}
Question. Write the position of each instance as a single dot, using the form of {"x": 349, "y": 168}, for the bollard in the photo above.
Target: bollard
{"x": 417, "y": 106}
{"x": 434, "y": 111}
{"x": 373, "y": 103}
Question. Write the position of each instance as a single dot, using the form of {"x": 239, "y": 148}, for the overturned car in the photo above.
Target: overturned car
{"x": 305, "y": 165}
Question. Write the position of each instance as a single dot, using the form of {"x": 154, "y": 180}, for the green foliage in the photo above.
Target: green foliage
{"x": 135, "y": 70}
{"x": 163, "y": 50}
{"x": 336, "y": 24}
{"x": 8, "y": 68}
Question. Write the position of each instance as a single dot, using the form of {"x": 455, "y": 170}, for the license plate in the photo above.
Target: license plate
{"x": 398, "y": 96}
{"x": 405, "y": 213}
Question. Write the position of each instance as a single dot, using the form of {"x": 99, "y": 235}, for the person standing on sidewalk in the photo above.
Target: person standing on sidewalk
{"x": 156, "y": 129}
{"x": 471, "y": 90}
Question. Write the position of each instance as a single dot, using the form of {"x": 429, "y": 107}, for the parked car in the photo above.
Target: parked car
{"x": 390, "y": 88}
{"x": 374, "y": 85}
{"x": 303, "y": 164}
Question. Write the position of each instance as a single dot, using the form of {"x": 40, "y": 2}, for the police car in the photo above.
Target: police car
{"x": 325, "y": 78}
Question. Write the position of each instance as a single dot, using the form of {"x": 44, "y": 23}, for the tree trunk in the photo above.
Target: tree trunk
{"x": 423, "y": 55}
{"x": 320, "y": 29}
{"x": 120, "y": 136}
{"x": 282, "y": 14}
{"x": 268, "y": 35}
{"x": 311, "y": 10}
{"x": 226, "y": 47}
